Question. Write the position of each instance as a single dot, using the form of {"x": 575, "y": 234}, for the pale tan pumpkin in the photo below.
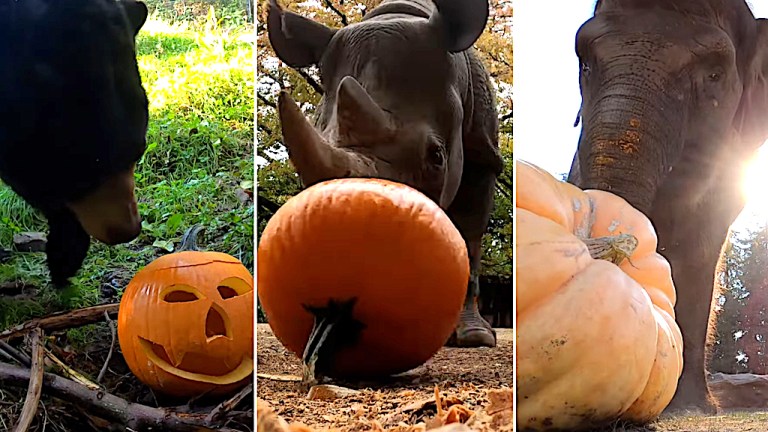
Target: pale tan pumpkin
{"x": 596, "y": 335}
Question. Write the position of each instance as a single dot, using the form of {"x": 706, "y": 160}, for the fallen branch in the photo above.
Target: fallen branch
{"x": 35, "y": 383}
{"x": 71, "y": 373}
{"x": 108, "y": 406}
{"x": 111, "y": 348}
{"x": 62, "y": 320}
{"x": 16, "y": 354}
{"x": 228, "y": 405}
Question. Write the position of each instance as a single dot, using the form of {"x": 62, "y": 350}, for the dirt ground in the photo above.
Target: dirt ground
{"x": 462, "y": 376}
{"x": 728, "y": 422}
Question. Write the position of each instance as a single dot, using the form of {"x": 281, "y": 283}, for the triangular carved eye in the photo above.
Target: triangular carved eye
{"x": 180, "y": 294}
{"x": 233, "y": 287}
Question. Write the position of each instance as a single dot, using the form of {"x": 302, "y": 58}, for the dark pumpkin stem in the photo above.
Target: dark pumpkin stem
{"x": 612, "y": 248}
{"x": 189, "y": 239}
{"x": 334, "y": 329}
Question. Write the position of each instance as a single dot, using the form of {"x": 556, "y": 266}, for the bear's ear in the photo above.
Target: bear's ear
{"x": 137, "y": 14}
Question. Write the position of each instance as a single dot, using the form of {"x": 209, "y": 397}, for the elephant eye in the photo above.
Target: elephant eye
{"x": 714, "y": 77}
{"x": 180, "y": 294}
{"x": 585, "y": 69}
{"x": 232, "y": 287}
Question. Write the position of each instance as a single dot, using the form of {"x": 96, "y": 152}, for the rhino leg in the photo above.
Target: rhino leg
{"x": 470, "y": 211}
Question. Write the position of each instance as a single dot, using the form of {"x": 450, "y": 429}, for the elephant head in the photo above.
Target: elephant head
{"x": 668, "y": 88}
{"x": 393, "y": 104}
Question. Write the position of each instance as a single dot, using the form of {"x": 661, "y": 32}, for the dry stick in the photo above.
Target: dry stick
{"x": 17, "y": 355}
{"x": 111, "y": 348}
{"x": 35, "y": 383}
{"x": 71, "y": 373}
{"x": 108, "y": 406}
{"x": 62, "y": 320}
{"x": 6, "y": 356}
{"x": 228, "y": 405}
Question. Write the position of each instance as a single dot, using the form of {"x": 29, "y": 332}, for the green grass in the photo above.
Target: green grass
{"x": 198, "y": 74}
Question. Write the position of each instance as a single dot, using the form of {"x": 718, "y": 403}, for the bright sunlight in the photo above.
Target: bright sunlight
{"x": 754, "y": 187}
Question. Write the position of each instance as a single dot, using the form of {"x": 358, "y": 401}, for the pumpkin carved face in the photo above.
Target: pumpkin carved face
{"x": 185, "y": 324}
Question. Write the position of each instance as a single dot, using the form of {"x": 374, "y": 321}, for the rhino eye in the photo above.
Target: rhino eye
{"x": 435, "y": 155}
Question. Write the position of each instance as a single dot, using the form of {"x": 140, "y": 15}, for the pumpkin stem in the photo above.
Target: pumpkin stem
{"x": 189, "y": 239}
{"x": 612, "y": 248}
{"x": 334, "y": 328}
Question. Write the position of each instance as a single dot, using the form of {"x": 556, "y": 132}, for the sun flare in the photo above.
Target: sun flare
{"x": 755, "y": 182}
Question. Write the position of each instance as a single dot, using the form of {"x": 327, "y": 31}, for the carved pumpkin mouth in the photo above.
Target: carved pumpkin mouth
{"x": 189, "y": 364}
{"x": 197, "y": 366}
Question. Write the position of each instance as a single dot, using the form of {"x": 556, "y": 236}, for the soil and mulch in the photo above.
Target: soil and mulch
{"x": 465, "y": 389}
{"x": 47, "y": 384}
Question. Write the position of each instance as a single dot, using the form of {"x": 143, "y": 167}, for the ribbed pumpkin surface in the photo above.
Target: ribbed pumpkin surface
{"x": 381, "y": 242}
{"x": 596, "y": 341}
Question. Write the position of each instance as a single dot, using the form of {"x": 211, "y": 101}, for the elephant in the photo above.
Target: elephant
{"x": 74, "y": 120}
{"x": 405, "y": 99}
{"x": 674, "y": 105}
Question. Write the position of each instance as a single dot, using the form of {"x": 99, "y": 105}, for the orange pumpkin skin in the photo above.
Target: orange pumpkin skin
{"x": 596, "y": 342}
{"x": 381, "y": 242}
{"x": 185, "y": 324}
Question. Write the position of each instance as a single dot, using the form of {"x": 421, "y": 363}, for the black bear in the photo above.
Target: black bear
{"x": 73, "y": 119}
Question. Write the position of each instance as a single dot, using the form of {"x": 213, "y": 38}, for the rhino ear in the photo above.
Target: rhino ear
{"x": 297, "y": 41}
{"x": 360, "y": 119}
{"x": 461, "y": 21}
{"x": 137, "y": 14}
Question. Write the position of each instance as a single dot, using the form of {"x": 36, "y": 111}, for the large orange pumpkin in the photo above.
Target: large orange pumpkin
{"x": 385, "y": 247}
{"x": 596, "y": 335}
{"x": 185, "y": 322}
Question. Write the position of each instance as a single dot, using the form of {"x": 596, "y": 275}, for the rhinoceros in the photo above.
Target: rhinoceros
{"x": 406, "y": 99}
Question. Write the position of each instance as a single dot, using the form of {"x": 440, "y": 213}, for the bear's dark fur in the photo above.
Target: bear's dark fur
{"x": 72, "y": 108}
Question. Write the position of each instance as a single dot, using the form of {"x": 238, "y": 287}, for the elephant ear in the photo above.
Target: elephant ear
{"x": 460, "y": 21}
{"x": 299, "y": 42}
{"x": 752, "y": 115}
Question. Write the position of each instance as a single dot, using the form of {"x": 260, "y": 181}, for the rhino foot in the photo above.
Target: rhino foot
{"x": 472, "y": 331}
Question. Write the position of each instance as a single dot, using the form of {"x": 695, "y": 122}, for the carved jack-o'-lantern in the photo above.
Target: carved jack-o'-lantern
{"x": 185, "y": 323}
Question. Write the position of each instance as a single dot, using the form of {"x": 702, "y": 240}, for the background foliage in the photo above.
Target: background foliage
{"x": 277, "y": 181}
{"x": 196, "y": 63}
{"x": 742, "y": 306}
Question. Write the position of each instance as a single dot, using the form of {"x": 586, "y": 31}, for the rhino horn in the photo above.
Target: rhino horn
{"x": 314, "y": 159}
{"x": 360, "y": 119}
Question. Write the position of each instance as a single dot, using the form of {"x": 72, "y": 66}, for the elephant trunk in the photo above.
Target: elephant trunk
{"x": 631, "y": 138}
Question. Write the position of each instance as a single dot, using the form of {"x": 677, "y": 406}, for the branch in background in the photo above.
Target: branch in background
{"x": 269, "y": 75}
{"x": 311, "y": 81}
{"x": 504, "y": 186}
{"x": 266, "y": 101}
{"x": 505, "y": 117}
{"x": 267, "y": 204}
{"x": 62, "y": 320}
{"x": 264, "y": 154}
{"x": 495, "y": 58}
{"x": 264, "y": 128}
{"x": 341, "y": 15}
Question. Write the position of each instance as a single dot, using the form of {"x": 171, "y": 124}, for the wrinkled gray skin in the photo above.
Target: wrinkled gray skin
{"x": 406, "y": 99}
{"x": 674, "y": 102}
